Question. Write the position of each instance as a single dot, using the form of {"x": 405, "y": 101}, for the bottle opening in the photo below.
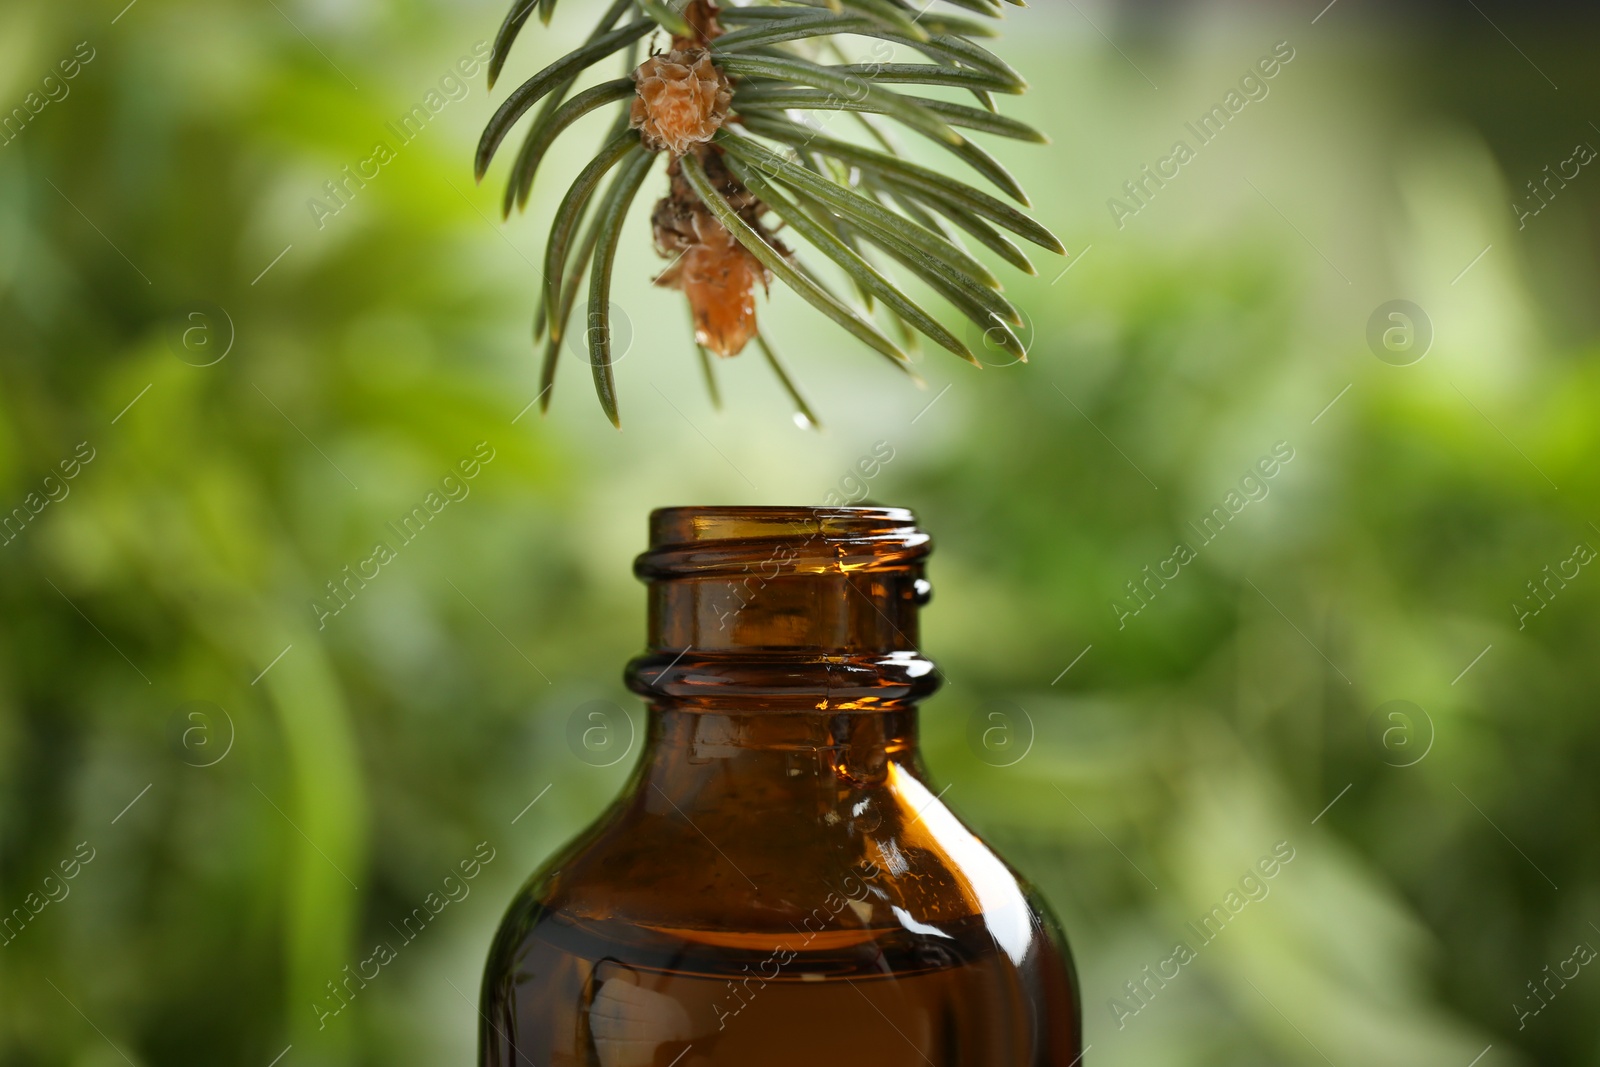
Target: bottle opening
{"x": 784, "y": 608}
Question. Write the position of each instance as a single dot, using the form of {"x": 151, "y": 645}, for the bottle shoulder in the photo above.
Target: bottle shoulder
{"x": 758, "y": 932}
{"x": 892, "y": 858}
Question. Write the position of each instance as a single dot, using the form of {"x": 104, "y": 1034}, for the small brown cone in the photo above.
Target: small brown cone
{"x": 682, "y": 100}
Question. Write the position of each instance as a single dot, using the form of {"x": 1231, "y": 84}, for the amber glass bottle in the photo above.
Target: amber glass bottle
{"x": 780, "y": 883}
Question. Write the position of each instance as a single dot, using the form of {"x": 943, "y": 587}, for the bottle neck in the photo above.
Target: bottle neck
{"x": 818, "y": 770}
{"x": 783, "y": 610}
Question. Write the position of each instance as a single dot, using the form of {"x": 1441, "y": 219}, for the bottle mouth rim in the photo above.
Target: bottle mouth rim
{"x": 693, "y": 524}
{"x": 702, "y": 542}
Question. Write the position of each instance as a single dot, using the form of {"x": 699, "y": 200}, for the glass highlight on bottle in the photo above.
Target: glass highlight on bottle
{"x": 780, "y": 884}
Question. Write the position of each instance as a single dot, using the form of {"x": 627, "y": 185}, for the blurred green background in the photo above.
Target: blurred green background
{"x": 246, "y": 802}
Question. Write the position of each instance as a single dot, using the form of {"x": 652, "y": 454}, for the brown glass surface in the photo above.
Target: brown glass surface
{"x": 779, "y": 883}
